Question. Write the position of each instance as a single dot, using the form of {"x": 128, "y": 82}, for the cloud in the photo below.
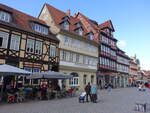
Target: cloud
{"x": 122, "y": 43}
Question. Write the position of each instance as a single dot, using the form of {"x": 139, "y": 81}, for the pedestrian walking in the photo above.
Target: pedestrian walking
{"x": 88, "y": 91}
{"x": 109, "y": 87}
{"x": 94, "y": 93}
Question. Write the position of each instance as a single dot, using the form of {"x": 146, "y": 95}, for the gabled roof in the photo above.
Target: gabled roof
{"x": 92, "y": 27}
{"x": 23, "y": 21}
{"x": 58, "y": 16}
{"x": 107, "y": 24}
{"x": 91, "y": 22}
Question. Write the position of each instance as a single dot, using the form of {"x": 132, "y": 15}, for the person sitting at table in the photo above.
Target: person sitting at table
{"x": 44, "y": 91}
{"x": 12, "y": 94}
{"x": 57, "y": 90}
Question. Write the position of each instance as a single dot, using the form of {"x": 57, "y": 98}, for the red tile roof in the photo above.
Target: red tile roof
{"x": 22, "y": 21}
{"x": 107, "y": 24}
{"x": 89, "y": 26}
{"x": 58, "y": 15}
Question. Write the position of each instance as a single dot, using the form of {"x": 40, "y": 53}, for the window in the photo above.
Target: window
{"x": 77, "y": 58}
{"x": 84, "y": 59}
{"x": 66, "y": 40}
{"x": 64, "y": 55}
{"x": 78, "y": 25}
{"x": 67, "y": 56}
{"x": 5, "y": 16}
{"x": 36, "y": 70}
{"x": 74, "y": 57}
{"x": 38, "y": 47}
{"x": 71, "y": 57}
{"x": 81, "y": 59}
{"x": 52, "y": 51}
{"x": 65, "y": 25}
{"x": 40, "y": 28}
{"x": 15, "y": 42}
{"x": 84, "y": 79}
{"x": 3, "y": 39}
{"x": 90, "y": 36}
{"x": 92, "y": 79}
{"x": 104, "y": 39}
{"x": 30, "y": 46}
{"x": 79, "y": 31}
{"x": 27, "y": 81}
{"x": 75, "y": 80}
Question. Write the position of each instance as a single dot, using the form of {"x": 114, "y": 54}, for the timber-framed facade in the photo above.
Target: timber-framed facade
{"x": 23, "y": 46}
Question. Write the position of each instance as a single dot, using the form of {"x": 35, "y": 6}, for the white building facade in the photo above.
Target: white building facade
{"x": 78, "y": 55}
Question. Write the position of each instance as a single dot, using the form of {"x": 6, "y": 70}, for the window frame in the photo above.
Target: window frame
{"x": 15, "y": 46}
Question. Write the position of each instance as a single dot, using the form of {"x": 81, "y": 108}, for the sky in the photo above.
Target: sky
{"x": 130, "y": 18}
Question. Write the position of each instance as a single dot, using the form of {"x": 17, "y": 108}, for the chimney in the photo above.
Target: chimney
{"x": 75, "y": 15}
{"x": 68, "y": 12}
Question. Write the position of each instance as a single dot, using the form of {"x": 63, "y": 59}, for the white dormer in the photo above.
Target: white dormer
{"x": 40, "y": 28}
{"x": 65, "y": 25}
{"x": 90, "y": 35}
{"x": 78, "y": 25}
{"x": 5, "y": 16}
{"x": 79, "y": 31}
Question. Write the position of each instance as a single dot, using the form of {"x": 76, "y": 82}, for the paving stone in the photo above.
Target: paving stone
{"x": 116, "y": 101}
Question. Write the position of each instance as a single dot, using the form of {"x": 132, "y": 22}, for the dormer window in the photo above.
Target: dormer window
{"x": 65, "y": 25}
{"x": 107, "y": 30}
{"x": 79, "y": 31}
{"x": 78, "y": 25}
{"x": 40, "y": 28}
{"x": 90, "y": 36}
{"x": 111, "y": 33}
{"x": 5, "y": 16}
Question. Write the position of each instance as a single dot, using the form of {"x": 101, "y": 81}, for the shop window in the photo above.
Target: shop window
{"x": 75, "y": 80}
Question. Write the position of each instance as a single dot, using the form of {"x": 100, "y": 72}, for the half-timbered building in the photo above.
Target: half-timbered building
{"x": 26, "y": 42}
{"x": 103, "y": 34}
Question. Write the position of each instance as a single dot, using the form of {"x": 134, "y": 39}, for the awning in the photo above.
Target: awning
{"x": 6, "y": 70}
{"x": 49, "y": 75}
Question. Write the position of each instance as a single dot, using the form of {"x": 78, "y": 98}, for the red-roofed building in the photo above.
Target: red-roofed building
{"x": 26, "y": 41}
{"x": 78, "y": 54}
{"x": 103, "y": 34}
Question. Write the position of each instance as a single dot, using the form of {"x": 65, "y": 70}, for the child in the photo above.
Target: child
{"x": 82, "y": 97}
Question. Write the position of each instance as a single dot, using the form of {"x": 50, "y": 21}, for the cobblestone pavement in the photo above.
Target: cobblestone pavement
{"x": 117, "y": 101}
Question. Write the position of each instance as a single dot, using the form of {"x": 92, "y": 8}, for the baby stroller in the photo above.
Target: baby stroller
{"x": 82, "y": 97}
